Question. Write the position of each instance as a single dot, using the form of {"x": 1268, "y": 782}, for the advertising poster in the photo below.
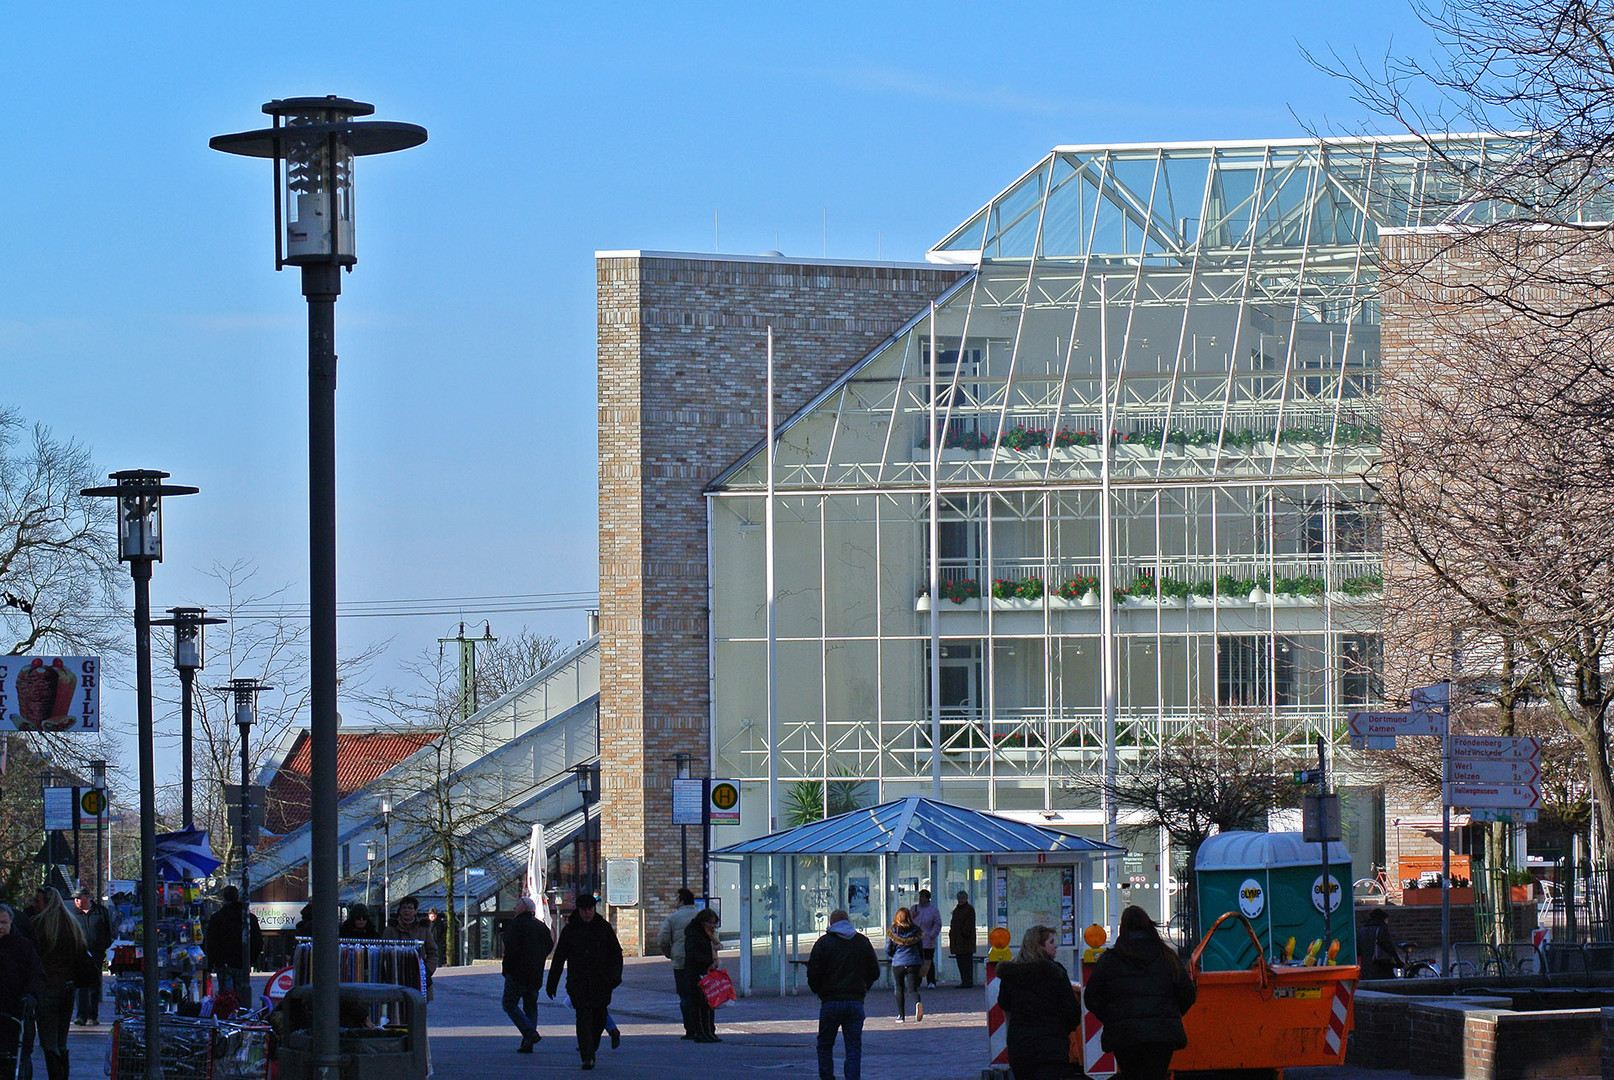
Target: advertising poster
{"x": 50, "y": 693}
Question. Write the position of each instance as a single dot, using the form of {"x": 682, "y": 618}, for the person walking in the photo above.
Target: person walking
{"x": 670, "y": 940}
{"x": 358, "y": 926}
{"x": 61, "y": 947}
{"x": 962, "y": 940}
{"x": 840, "y": 970}
{"x": 592, "y": 956}
{"x": 1382, "y": 956}
{"x": 527, "y": 944}
{"x": 903, "y": 945}
{"x": 1035, "y": 994}
{"x": 222, "y": 944}
{"x": 1140, "y": 990}
{"x": 928, "y": 918}
{"x": 96, "y": 926}
{"x": 407, "y": 925}
{"x": 700, "y": 958}
{"x": 22, "y": 987}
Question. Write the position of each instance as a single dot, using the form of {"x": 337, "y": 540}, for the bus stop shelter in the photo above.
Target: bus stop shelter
{"x": 874, "y": 860}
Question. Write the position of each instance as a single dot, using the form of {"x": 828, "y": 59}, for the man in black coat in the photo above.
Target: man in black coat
{"x": 221, "y": 941}
{"x": 592, "y": 956}
{"x": 96, "y": 924}
{"x": 840, "y": 970}
{"x": 527, "y": 944}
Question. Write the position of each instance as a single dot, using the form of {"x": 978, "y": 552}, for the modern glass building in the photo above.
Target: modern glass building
{"x": 1137, "y": 431}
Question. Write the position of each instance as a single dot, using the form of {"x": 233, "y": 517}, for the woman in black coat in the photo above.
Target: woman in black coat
{"x": 1035, "y": 993}
{"x": 700, "y": 957}
{"x": 1140, "y": 990}
{"x": 22, "y": 978}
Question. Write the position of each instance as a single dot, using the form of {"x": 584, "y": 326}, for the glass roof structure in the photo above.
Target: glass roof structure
{"x": 918, "y": 826}
{"x": 1240, "y": 334}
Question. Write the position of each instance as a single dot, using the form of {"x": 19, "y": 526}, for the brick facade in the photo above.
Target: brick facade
{"x": 682, "y": 348}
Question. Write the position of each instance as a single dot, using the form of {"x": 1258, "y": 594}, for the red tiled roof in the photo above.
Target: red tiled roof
{"x": 361, "y": 756}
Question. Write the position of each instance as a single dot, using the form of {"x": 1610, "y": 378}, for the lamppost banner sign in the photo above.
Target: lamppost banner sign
{"x": 50, "y": 693}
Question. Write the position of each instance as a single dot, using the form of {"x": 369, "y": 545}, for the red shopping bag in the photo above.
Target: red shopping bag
{"x": 718, "y": 988}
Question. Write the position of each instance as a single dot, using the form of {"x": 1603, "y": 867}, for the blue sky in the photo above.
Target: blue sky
{"x": 141, "y": 314}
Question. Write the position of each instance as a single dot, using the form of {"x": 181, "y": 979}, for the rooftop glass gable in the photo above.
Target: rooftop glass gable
{"x": 1167, "y": 204}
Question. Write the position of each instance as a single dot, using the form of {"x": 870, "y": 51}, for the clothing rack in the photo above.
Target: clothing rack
{"x": 361, "y": 960}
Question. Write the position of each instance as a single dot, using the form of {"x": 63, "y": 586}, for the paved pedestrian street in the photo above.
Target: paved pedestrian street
{"x": 763, "y": 1037}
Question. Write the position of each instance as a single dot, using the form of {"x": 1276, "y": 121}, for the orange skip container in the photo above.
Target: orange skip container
{"x": 1267, "y": 1017}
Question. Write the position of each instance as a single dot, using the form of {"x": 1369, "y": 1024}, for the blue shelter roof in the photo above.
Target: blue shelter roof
{"x": 919, "y": 826}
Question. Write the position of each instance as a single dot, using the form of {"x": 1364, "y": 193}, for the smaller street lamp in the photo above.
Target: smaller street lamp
{"x": 189, "y": 658}
{"x": 369, "y": 869}
{"x": 386, "y": 859}
{"x": 588, "y": 782}
{"x": 139, "y": 494}
{"x": 245, "y": 692}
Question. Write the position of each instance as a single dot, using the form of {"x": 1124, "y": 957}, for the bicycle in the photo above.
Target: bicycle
{"x": 1414, "y": 968}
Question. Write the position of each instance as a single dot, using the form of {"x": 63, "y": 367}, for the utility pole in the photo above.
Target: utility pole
{"x": 468, "y": 701}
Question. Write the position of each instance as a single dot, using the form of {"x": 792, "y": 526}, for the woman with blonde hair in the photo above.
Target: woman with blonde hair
{"x": 1035, "y": 993}
{"x": 60, "y": 943}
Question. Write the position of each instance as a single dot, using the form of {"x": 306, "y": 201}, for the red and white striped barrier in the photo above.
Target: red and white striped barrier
{"x": 1096, "y": 1062}
{"x": 1337, "y": 1015}
{"x": 997, "y": 1031}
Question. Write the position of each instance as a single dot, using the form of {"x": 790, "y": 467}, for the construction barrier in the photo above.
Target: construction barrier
{"x": 1097, "y": 1063}
{"x": 997, "y": 1033}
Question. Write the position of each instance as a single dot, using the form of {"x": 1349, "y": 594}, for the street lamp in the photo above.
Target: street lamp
{"x": 588, "y": 787}
{"x": 189, "y": 658}
{"x": 246, "y": 693}
{"x": 139, "y": 493}
{"x": 386, "y": 859}
{"x": 369, "y": 870}
{"x": 312, "y": 143}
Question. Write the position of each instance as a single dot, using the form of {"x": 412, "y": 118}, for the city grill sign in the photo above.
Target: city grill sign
{"x": 50, "y": 693}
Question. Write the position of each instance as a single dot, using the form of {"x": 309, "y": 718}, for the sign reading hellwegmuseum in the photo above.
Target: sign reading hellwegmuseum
{"x": 50, "y": 693}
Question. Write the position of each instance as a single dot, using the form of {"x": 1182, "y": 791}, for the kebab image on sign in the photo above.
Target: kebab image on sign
{"x": 48, "y": 693}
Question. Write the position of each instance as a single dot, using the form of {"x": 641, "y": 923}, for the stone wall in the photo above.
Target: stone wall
{"x": 682, "y": 347}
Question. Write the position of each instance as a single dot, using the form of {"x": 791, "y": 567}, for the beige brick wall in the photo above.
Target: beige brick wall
{"x": 682, "y": 368}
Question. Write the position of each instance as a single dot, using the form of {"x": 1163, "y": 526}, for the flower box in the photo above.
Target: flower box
{"x": 1460, "y": 894}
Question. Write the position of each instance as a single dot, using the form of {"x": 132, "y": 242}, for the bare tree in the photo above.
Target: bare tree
{"x": 457, "y": 813}
{"x": 59, "y": 593}
{"x": 1220, "y": 775}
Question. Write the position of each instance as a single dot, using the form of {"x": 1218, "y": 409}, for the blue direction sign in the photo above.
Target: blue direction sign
{"x": 1389, "y": 725}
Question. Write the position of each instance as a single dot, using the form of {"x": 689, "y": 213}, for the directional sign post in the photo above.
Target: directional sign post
{"x": 1515, "y": 796}
{"x": 1382, "y": 725}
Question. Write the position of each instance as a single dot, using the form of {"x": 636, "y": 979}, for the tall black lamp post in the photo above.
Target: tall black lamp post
{"x": 189, "y": 658}
{"x": 312, "y": 143}
{"x": 245, "y": 692}
{"x": 139, "y": 493}
{"x": 588, "y": 779}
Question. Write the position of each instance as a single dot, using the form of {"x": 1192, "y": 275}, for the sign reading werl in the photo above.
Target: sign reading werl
{"x": 50, "y": 693}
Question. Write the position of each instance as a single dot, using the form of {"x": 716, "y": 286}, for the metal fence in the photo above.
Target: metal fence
{"x": 1577, "y": 904}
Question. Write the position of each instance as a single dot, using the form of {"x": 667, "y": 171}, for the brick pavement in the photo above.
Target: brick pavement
{"x": 764, "y": 1037}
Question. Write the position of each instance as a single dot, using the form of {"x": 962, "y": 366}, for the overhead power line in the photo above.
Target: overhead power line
{"x": 421, "y": 607}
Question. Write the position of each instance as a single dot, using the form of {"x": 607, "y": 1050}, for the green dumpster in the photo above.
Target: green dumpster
{"x": 1276, "y": 881}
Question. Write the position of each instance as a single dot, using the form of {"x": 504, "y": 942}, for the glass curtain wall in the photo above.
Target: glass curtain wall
{"x": 1216, "y": 304}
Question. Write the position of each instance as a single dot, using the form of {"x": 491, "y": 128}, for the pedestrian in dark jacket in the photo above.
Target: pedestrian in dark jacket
{"x": 527, "y": 944}
{"x": 222, "y": 943}
{"x": 22, "y": 980}
{"x": 1035, "y": 993}
{"x": 700, "y": 958}
{"x": 1382, "y": 956}
{"x": 840, "y": 970}
{"x": 358, "y": 926}
{"x": 589, "y": 951}
{"x": 96, "y": 925}
{"x": 962, "y": 941}
{"x": 1140, "y": 990}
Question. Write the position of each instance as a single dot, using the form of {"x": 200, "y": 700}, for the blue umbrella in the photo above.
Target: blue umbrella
{"x": 184, "y": 855}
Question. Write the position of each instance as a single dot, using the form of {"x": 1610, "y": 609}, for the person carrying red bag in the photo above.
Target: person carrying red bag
{"x": 700, "y": 959}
